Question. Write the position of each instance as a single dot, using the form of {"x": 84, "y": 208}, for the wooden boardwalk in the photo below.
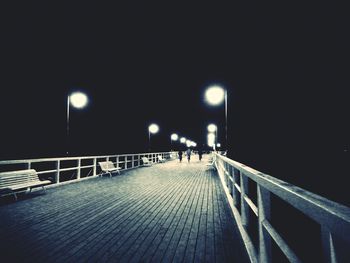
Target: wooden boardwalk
{"x": 171, "y": 212}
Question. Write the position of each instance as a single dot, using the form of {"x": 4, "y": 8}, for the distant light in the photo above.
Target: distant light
{"x": 211, "y": 139}
{"x": 211, "y": 128}
{"x": 78, "y": 100}
{"x": 188, "y": 143}
{"x": 183, "y": 140}
{"x": 218, "y": 145}
{"x": 174, "y": 137}
{"x": 194, "y": 144}
{"x": 215, "y": 95}
{"x": 153, "y": 128}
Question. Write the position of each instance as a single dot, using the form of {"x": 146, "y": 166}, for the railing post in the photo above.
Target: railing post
{"x": 57, "y": 177}
{"x": 29, "y": 165}
{"x": 79, "y": 168}
{"x": 132, "y": 161}
{"x": 117, "y": 160}
{"x": 244, "y": 205}
{"x": 328, "y": 245}
{"x": 234, "y": 189}
{"x": 229, "y": 174}
{"x": 95, "y": 166}
{"x": 264, "y": 213}
{"x": 138, "y": 159}
{"x": 126, "y": 161}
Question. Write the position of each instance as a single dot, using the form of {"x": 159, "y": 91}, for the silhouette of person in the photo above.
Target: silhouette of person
{"x": 180, "y": 155}
{"x": 188, "y": 153}
{"x": 200, "y": 153}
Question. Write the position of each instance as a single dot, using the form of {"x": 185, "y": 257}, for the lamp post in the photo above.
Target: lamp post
{"x": 173, "y": 137}
{"x": 78, "y": 100}
{"x": 214, "y": 96}
{"x": 153, "y": 128}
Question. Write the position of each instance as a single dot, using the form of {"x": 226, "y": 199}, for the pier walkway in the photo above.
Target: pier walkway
{"x": 169, "y": 212}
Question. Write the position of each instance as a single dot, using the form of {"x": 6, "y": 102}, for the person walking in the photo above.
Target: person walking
{"x": 188, "y": 153}
{"x": 180, "y": 155}
{"x": 200, "y": 153}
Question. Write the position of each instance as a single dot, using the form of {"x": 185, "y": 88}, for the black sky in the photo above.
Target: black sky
{"x": 285, "y": 66}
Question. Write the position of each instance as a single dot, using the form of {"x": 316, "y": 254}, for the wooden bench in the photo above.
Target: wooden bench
{"x": 20, "y": 181}
{"x": 146, "y": 162}
{"x": 108, "y": 167}
{"x": 161, "y": 159}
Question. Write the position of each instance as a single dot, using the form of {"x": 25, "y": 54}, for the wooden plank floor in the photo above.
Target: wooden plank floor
{"x": 171, "y": 212}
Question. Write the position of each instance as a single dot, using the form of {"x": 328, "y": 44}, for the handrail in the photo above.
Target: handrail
{"x": 333, "y": 217}
{"x": 128, "y": 161}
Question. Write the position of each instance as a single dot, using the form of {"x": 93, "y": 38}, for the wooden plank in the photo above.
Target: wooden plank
{"x": 136, "y": 254}
{"x": 171, "y": 212}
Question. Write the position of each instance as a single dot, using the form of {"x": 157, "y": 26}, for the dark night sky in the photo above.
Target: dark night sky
{"x": 285, "y": 66}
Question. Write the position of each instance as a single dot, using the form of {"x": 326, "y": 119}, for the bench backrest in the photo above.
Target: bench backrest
{"x": 145, "y": 160}
{"x": 106, "y": 166}
{"x": 8, "y": 179}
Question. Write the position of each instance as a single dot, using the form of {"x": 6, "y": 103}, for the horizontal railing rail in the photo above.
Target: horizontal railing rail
{"x": 333, "y": 218}
{"x": 53, "y": 168}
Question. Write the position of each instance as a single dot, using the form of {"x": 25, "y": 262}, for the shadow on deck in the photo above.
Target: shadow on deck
{"x": 168, "y": 212}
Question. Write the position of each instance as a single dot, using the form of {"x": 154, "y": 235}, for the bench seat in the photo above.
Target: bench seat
{"x": 20, "y": 181}
{"x": 108, "y": 167}
{"x": 146, "y": 162}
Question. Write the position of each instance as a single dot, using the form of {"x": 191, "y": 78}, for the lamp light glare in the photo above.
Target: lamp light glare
{"x": 211, "y": 139}
{"x": 211, "y": 128}
{"x": 215, "y": 95}
{"x": 78, "y": 100}
{"x": 183, "y": 140}
{"x": 153, "y": 128}
{"x": 174, "y": 137}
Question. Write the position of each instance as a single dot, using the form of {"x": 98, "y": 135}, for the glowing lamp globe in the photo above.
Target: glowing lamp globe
{"x": 215, "y": 95}
{"x": 211, "y": 128}
{"x": 174, "y": 137}
{"x": 78, "y": 100}
{"x": 153, "y": 128}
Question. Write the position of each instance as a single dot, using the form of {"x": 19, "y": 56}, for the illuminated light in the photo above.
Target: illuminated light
{"x": 211, "y": 139}
{"x": 78, "y": 100}
{"x": 215, "y": 95}
{"x": 188, "y": 143}
{"x": 174, "y": 137}
{"x": 194, "y": 144}
{"x": 211, "y": 128}
{"x": 218, "y": 145}
{"x": 153, "y": 128}
{"x": 183, "y": 140}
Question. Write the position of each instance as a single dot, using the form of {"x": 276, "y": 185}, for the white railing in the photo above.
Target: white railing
{"x": 78, "y": 168}
{"x": 333, "y": 218}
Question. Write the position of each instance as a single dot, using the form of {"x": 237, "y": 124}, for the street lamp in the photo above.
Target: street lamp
{"x": 173, "y": 137}
{"x": 183, "y": 140}
{"x": 214, "y": 96}
{"x": 78, "y": 100}
{"x": 153, "y": 128}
